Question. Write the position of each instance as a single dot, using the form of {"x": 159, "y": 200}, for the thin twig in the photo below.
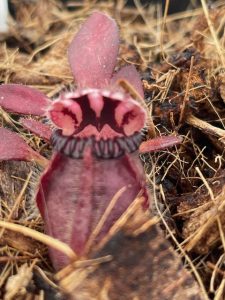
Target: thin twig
{"x": 41, "y": 237}
{"x": 186, "y": 98}
{"x": 213, "y": 33}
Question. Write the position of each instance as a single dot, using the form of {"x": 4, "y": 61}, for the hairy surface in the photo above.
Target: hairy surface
{"x": 93, "y": 51}
{"x": 22, "y": 99}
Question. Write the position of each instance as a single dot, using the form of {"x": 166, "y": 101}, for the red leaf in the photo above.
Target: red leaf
{"x": 130, "y": 74}
{"x": 13, "y": 147}
{"x": 93, "y": 51}
{"x": 74, "y": 194}
{"x": 41, "y": 130}
{"x": 22, "y": 99}
{"x": 159, "y": 143}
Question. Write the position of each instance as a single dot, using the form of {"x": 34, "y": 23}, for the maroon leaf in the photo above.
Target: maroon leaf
{"x": 41, "y": 130}
{"x": 130, "y": 74}
{"x": 13, "y": 147}
{"x": 159, "y": 143}
{"x": 93, "y": 51}
{"x": 74, "y": 194}
{"x": 22, "y": 99}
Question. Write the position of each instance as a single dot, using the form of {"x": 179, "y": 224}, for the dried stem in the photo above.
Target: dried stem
{"x": 206, "y": 127}
{"x": 41, "y": 237}
{"x": 213, "y": 33}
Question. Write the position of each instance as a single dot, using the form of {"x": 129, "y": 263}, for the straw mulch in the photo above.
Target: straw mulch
{"x": 179, "y": 251}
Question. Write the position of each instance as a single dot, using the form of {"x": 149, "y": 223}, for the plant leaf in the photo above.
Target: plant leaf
{"x": 93, "y": 51}
{"x": 13, "y": 147}
{"x": 38, "y": 128}
{"x": 159, "y": 143}
{"x": 75, "y": 193}
{"x": 22, "y": 99}
{"x": 130, "y": 74}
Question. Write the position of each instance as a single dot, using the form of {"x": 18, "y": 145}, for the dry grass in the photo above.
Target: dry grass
{"x": 181, "y": 58}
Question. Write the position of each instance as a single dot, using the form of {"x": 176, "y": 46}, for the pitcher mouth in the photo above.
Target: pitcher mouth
{"x": 110, "y": 148}
{"x": 102, "y": 113}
